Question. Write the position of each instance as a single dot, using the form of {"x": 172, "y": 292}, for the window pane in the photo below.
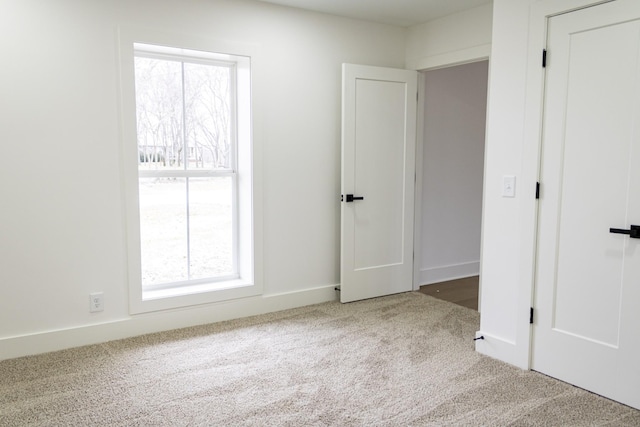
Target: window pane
{"x": 185, "y": 123}
{"x": 208, "y": 116}
{"x": 163, "y": 230}
{"x": 159, "y": 114}
{"x": 211, "y": 227}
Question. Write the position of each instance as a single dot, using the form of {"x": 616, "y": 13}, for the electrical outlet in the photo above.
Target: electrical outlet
{"x": 96, "y": 302}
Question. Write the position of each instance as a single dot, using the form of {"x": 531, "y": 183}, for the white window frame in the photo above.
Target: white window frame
{"x": 248, "y": 233}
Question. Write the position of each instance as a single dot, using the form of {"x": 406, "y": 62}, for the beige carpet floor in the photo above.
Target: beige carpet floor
{"x": 403, "y": 360}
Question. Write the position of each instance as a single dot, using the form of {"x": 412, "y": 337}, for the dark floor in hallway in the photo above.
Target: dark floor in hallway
{"x": 463, "y": 292}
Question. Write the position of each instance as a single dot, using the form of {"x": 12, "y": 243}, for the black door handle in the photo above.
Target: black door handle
{"x": 633, "y": 232}
{"x": 351, "y": 198}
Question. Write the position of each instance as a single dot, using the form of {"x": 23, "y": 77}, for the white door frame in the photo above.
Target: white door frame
{"x": 540, "y": 13}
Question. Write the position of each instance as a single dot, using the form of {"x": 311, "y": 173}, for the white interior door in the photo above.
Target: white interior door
{"x": 378, "y": 166}
{"x": 587, "y": 326}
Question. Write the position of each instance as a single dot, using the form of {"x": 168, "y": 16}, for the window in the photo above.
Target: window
{"x": 189, "y": 175}
{"x": 185, "y": 111}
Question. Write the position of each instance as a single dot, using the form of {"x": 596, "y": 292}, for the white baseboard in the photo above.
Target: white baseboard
{"x": 141, "y": 324}
{"x": 449, "y": 272}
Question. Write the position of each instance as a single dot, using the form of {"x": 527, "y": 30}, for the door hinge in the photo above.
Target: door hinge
{"x": 537, "y": 190}
{"x": 544, "y": 58}
{"x": 531, "y": 316}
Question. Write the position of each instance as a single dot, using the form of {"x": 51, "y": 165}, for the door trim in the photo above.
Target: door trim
{"x": 531, "y": 150}
{"x": 417, "y": 198}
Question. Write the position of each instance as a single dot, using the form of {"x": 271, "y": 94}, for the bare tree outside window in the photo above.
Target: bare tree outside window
{"x": 208, "y": 115}
{"x": 178, "y": 101}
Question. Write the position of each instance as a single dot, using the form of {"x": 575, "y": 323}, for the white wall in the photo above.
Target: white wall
{"x": 501, "y": 248}
{"x": 61, "y": 217}
{"x": 454, "y": 39}
{"x": 455, "y": 101}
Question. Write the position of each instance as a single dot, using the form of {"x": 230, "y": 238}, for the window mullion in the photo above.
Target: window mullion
{"x": 185, "y": 147}
{"x": 188, "y": 225}
{"x": 235, "y": 224}
{"x": 185, "y": 159}
{"x": 233, "y": 88}
{"x": 233, "y": 91}
{"x": 183, "y": 174}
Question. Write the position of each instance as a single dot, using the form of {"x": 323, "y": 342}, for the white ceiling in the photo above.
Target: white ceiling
{"x": 395, "y": 12}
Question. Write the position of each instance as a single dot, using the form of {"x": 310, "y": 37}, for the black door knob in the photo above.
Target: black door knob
{"x": 633, "y": 232}
{"x": 351, "y": 198}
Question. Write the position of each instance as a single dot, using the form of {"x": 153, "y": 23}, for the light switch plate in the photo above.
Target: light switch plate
{"x": 509, "y": 186}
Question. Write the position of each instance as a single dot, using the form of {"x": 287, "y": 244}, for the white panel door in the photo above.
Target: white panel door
{"x": 378, "y": 168}
{"x": 587, "y": 326}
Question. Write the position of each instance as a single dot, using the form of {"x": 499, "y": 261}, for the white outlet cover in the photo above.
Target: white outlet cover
{"x": 96, "y": 302}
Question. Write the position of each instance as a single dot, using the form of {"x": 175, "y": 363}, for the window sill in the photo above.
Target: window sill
{"x": 191, "y": 295}
{"x": 184, "y": 290}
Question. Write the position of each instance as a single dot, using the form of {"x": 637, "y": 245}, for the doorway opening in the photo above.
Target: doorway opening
{"x": 450, "y": 180}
